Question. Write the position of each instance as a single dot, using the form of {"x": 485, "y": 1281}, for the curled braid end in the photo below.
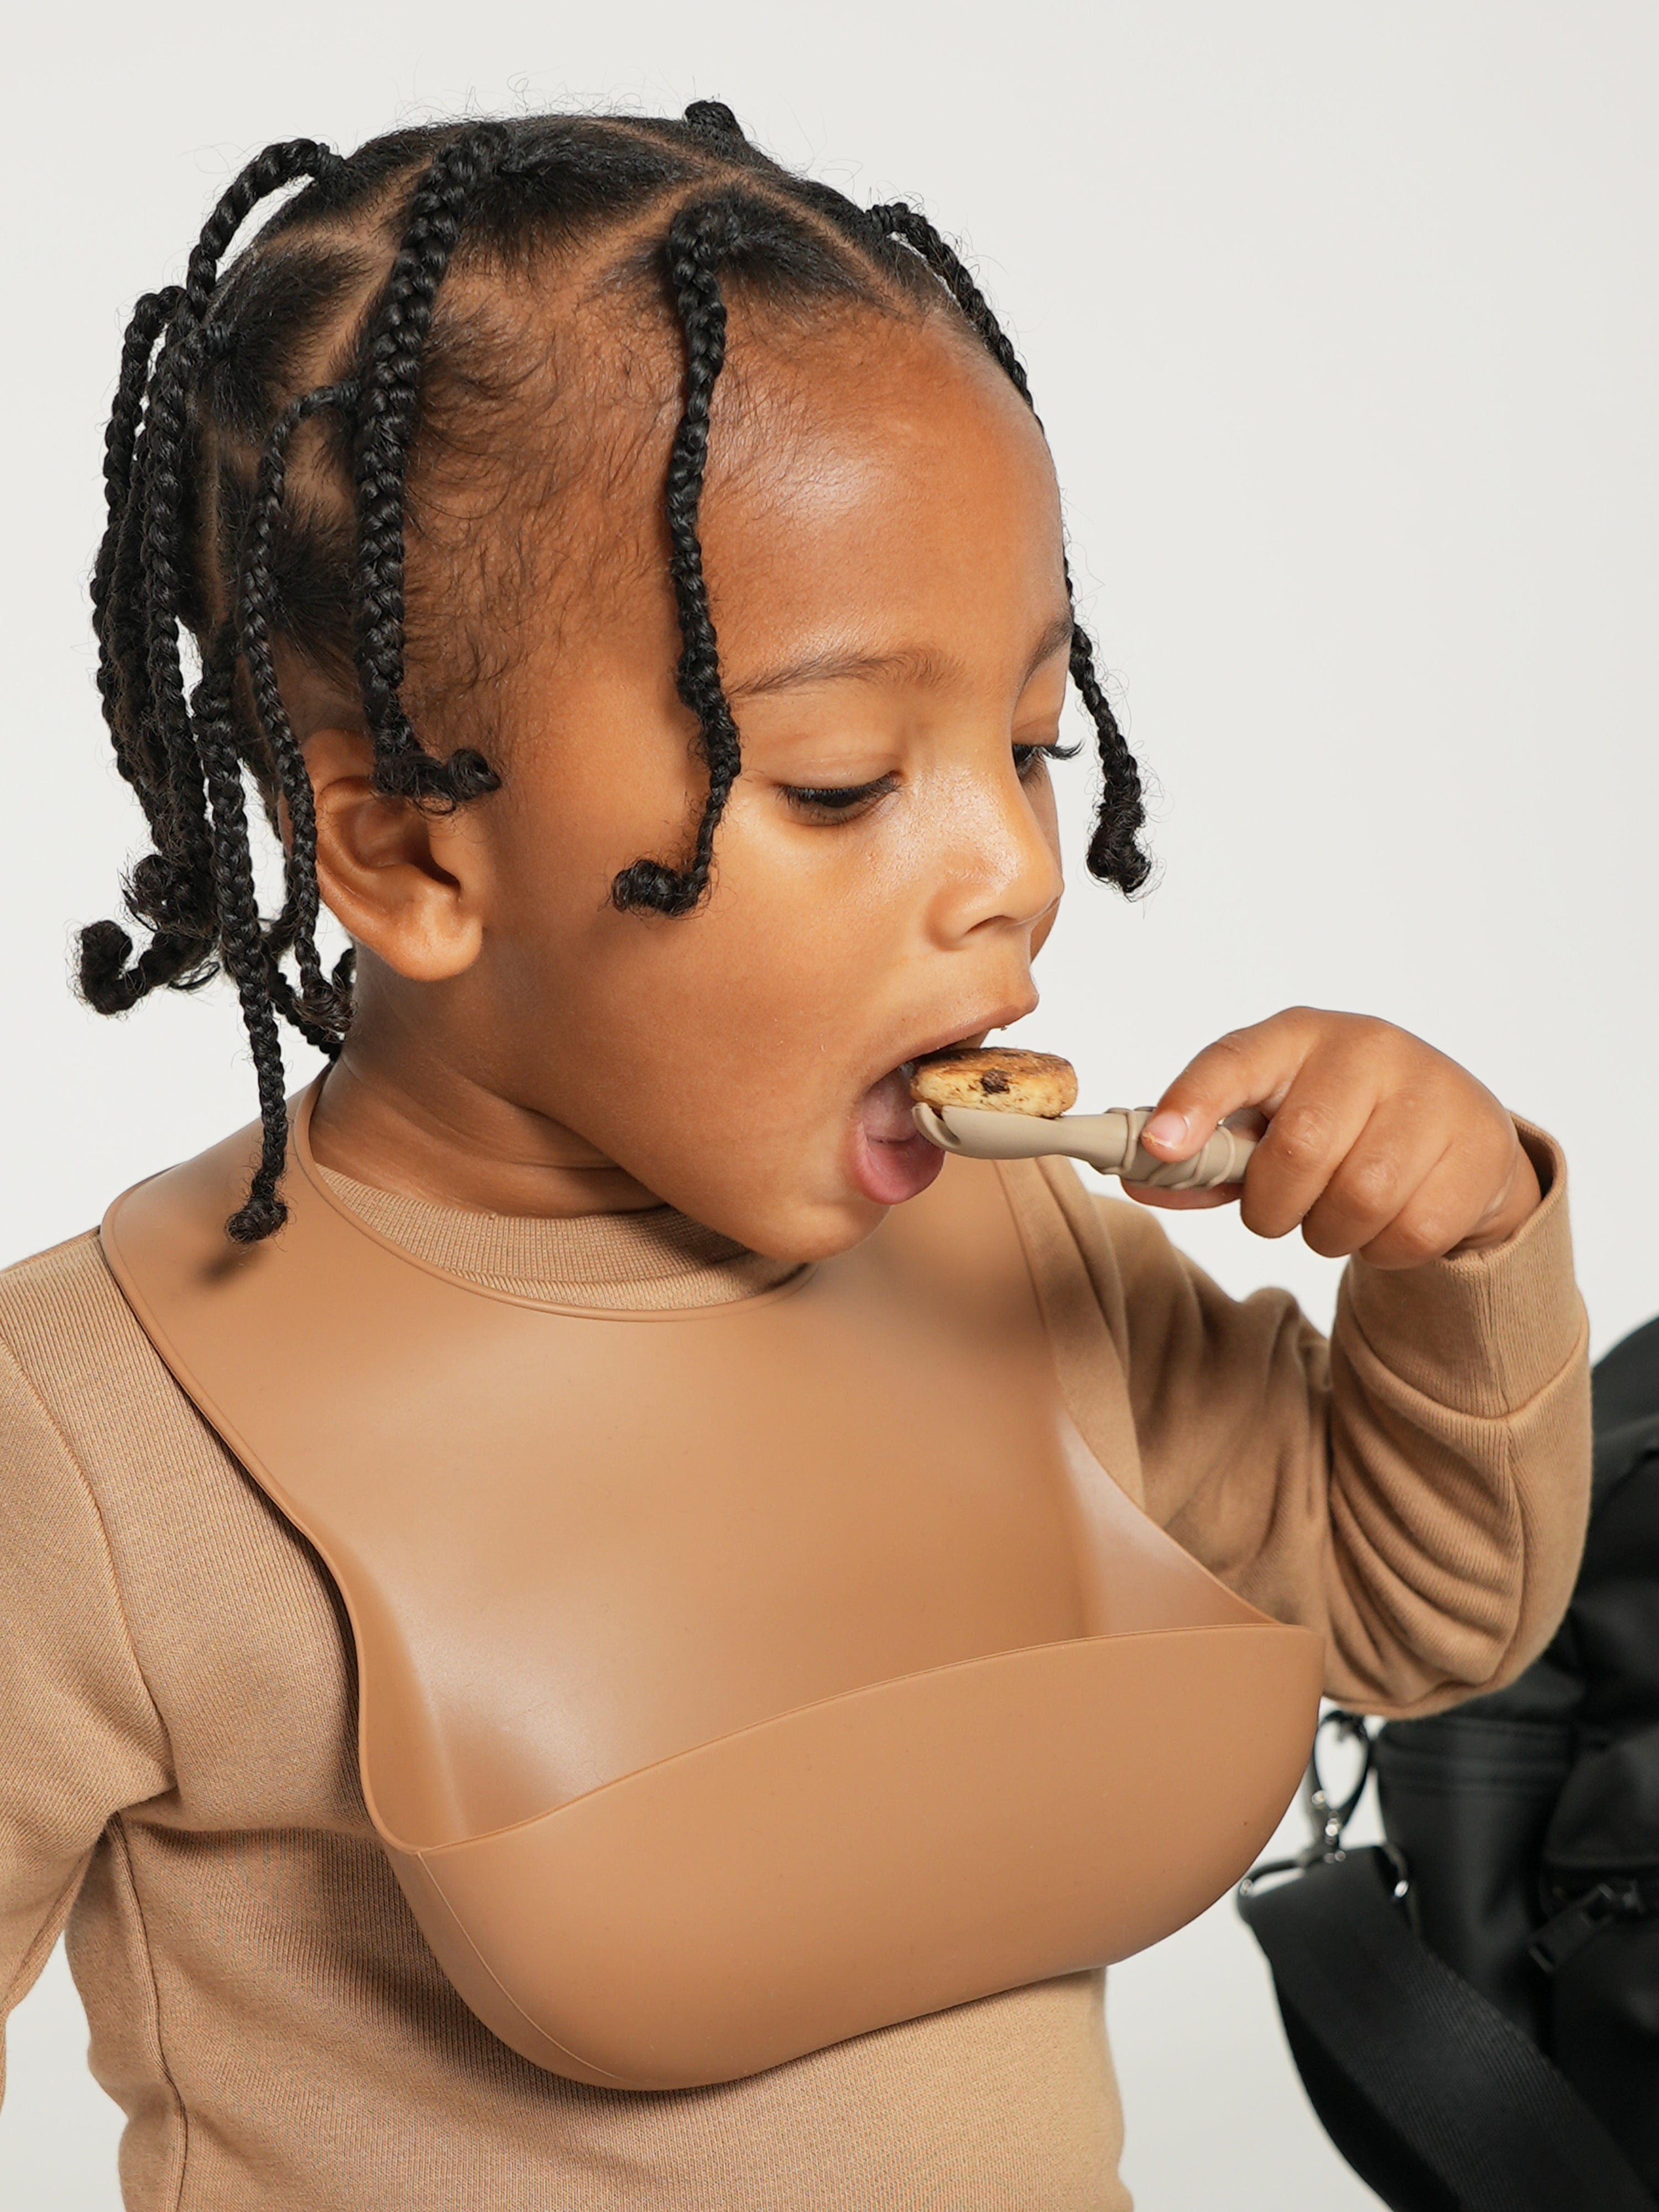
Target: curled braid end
{"x": 649, "y": 887}
{"x": 107, "y": 983}
{"x": 1115, "y": 856}
{"x": 440, "y": 784}
{"x": 110, "y": 986}
{"x": 261, "y": 1215}
{"x": 1116, "y": 852}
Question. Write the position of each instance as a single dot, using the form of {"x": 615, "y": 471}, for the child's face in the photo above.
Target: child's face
{"x": 882, "y": 541}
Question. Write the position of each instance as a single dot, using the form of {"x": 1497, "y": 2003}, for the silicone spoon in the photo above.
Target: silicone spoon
{"x": 1110, "y": 1142}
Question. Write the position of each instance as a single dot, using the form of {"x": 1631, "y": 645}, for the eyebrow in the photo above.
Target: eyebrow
{"x": 916, "y": 665}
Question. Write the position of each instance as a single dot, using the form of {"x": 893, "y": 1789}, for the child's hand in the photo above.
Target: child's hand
{"x": 1374, "y": 1142}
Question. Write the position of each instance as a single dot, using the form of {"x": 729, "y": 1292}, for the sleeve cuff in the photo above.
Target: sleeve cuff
{"x": 1482, "y": 1333}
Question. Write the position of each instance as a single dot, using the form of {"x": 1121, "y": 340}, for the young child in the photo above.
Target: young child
{"x": 633, "y": 578}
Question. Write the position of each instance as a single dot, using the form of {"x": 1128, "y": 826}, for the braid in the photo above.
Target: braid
{"x": 241, "y": 940}
{"x": 390, "y": 387}
{"x": 182, "y": 832}
{"x": 150, "y": 318}
{"x": 267, "y": 172}
{"x": 186, "y": 348}
{"x": 194, "y": 890}
{"x": 897, "y": 221}
{"x": 1116, "y": 854}
{"x": 697, "y": 237}
{"x": 315, "y": 1012}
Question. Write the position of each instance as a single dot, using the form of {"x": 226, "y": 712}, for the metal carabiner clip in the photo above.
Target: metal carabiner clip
{"x": 1329, "y": 1817}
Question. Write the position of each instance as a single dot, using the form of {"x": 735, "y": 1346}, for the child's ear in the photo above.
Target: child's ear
{"x": 405, "y": 884}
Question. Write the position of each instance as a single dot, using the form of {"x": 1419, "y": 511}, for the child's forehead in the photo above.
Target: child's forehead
{"x": 886, "y": 508}
{"x": 808, "y": 414}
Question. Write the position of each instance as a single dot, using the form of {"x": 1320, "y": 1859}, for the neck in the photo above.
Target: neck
{"x": 434, "y": 1134}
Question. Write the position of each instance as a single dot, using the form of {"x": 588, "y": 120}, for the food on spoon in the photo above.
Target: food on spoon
{"x": 996, "y": 1079}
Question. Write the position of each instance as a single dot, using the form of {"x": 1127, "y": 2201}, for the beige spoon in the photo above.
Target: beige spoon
{"x": 1109, "y": 1142}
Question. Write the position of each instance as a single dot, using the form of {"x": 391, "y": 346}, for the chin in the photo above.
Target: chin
{"x": 807, "y": 1232}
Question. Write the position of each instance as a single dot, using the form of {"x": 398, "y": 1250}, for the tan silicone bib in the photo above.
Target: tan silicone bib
{"x": 732, "y": 1680}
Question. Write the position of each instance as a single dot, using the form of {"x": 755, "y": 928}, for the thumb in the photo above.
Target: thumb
{"x": 1249, "y": 1067}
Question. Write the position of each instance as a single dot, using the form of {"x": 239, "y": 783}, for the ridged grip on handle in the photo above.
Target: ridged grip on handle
{"x": 1108, "y": 1142}
{"x": 1222, "y": 1160}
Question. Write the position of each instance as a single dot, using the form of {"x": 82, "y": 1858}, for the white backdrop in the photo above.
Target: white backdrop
{"x": 1342, "y": 321}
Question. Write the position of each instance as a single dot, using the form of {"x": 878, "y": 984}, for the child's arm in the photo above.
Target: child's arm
{"x": 1417, "y": 1488}
{"x": 79, "y": 1736}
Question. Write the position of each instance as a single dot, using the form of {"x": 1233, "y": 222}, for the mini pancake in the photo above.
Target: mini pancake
{"x": 1002, "y": 1079}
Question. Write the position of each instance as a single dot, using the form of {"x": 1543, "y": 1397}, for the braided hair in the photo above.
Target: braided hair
{"x": 271, "y": 432}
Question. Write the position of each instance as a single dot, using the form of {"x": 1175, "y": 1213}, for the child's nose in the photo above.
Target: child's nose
{"x": 1003, "y": 868}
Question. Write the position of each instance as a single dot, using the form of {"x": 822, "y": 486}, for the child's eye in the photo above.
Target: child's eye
{"x": 836, "y": 802}
{"x": 844, "y": 802}
{"x": 1027, "y": 757}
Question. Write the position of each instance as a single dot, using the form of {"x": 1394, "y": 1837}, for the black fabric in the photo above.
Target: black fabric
{"x": 1508, "y": 1867}
{"x": 1528, "y": 1822}
{"x": 1468, "y": 1798}
{"x": 1436, "y": 2099}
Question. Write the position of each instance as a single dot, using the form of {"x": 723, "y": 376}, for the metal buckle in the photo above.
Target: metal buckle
{"x": 1329, "y": 1817}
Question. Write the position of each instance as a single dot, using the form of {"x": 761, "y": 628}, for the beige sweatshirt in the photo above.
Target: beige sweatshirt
{"x": 178, "y": 1777}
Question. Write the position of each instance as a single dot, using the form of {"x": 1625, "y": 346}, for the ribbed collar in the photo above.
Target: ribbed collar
{"x": 651, "y": 1261}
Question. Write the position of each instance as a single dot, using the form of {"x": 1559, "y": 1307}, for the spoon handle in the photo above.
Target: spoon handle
{"x": 1108, "y": 1142}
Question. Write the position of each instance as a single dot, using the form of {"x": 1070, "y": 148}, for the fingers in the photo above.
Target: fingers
{"x": 1431, "y": 1218}
{"x": 1253, "y": 1066}
{"x": 1374, "y": 1142}
{"x": 1390, "y": 1184}
{"x": 1319, "y": 1120}
{"x": 1477, "y": 1195}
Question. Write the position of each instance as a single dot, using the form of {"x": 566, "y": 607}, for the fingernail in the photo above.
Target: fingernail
{"x": 1168, "y": 1129}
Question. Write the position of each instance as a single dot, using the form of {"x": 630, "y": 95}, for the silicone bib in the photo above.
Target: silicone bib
{"x": 732, "y": 1680}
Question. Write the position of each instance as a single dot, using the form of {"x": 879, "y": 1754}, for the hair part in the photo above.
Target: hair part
{"x": 271, "y": 433}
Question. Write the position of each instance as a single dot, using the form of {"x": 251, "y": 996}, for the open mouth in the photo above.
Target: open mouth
{"x": 891, "y": 1160}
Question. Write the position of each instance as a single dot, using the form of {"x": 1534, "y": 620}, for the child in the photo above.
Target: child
{"x": 633, "y": 576}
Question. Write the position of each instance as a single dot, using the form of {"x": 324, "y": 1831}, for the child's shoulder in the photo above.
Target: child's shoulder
{"x": 67, "y": 1335}
{"x": 68, "y": 1284}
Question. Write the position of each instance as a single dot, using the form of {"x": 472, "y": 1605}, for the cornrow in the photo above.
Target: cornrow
{"x": 205, "y": 531}
{"x": 1116, "y": 854}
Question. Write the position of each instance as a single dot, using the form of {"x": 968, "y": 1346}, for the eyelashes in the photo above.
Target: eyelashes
{"x": 844, "y": 802}
{"x": 837, "y": 799}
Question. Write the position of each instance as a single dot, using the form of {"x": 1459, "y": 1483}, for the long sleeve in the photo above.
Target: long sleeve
{"x": 79, "y": 1736}
{"x": 1416, "y": 1488}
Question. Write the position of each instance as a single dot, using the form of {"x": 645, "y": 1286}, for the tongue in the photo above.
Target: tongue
{"x": 892, "y": 1161}
{"x": 885, "y": 1109}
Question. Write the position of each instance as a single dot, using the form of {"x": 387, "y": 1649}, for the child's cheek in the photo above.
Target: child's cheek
{"x": 728, "y": 1050}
